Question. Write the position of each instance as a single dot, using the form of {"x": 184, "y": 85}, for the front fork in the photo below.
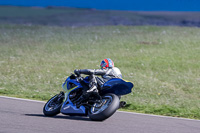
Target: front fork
{"x": 61, "y": 96}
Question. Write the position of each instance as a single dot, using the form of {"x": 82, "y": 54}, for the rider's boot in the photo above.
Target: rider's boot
{"x": 86, "y": 94}
{"x": 122, "y": 104}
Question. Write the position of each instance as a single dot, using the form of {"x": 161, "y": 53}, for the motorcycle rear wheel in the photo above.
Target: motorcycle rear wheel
{"x": 53, "y": 106}
{"x": 109, "y": 107}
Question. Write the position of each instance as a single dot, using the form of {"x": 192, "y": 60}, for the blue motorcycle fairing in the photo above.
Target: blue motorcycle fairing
{"x": 86, "y": 79}
{"x": 69, "y": 108}
{"x": 74, "y": 81}
{"x": 117, "y": 86}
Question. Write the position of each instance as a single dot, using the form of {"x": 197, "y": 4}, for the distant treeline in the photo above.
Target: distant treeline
{"x": 134, "y": 5}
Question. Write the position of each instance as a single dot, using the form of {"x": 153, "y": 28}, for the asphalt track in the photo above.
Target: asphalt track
{"x": 25, "y": 116}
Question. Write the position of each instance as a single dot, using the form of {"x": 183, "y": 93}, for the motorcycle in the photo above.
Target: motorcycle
{"x": 99, "y": 106}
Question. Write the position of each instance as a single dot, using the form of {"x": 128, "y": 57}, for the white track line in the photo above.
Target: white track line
{"x": 161, "y": 116}
{"x": 14, "y": 98}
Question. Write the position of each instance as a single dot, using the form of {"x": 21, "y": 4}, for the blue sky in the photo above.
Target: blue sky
{"x": 141, "y": 5}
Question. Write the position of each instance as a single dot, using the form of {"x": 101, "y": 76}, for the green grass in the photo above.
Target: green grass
{"x": 162, "y": 62}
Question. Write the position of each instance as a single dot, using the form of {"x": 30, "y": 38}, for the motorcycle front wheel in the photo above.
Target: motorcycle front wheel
{"x": 53, "y": 106}
{"x": 109, "y": 105}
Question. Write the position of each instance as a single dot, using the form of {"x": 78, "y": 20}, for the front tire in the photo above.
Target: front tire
{"x": 53, "y": 106}
{"x": 109, "y": 107}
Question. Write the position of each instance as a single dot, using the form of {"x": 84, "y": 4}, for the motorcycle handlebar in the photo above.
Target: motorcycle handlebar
{"x": 74, "y": 76}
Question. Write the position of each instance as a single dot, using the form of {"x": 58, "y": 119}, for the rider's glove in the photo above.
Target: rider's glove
{"x": 76, "y": 71}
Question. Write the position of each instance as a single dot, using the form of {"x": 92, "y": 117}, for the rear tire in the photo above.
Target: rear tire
{"x": 53, "y": 106}
{"x": 106, "y": 110}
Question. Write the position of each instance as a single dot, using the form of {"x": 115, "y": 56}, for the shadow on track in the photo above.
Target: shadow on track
{"x": 81, "y": 118}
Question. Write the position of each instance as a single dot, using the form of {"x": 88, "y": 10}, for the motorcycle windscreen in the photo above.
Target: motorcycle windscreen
{"x": 117, "y": 86}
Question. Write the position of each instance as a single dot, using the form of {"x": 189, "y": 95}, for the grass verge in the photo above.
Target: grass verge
{"x": 162, "y": 62}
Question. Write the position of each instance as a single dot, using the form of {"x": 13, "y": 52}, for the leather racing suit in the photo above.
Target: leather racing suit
{"x": 95, "y": 81}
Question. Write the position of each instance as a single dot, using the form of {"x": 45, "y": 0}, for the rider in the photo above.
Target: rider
{"x": 107, "y": 72}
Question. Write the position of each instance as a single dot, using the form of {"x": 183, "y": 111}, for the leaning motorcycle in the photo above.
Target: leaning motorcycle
{"x": 99, "y": 106}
